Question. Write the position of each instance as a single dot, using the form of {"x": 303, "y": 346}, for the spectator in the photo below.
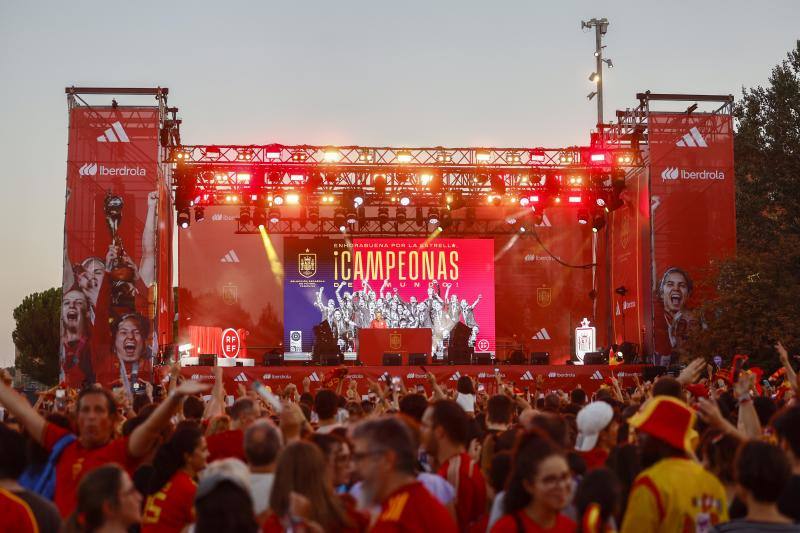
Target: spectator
{"x": 262, "y": 443}
{"x": 336, "y": 452}
{"x": 445, "y": 428}
{"x": 172, "y": 486}
{"x": 538, "y": 488}
{"x": 193, "y": 408}
{"x": 665, "y": 496}
{"x": 231, "y": 443}
{"x": 222, "y": 502}
{"x": 786, "y": 424}
{"x": 597, "y": 433}
{"x": 762, "y": 472}
{"x": 465, "y": 396}
{"x": 12, "y": 463}
{"x": 106, "y": 501}
{"x": 597, "y": 501}
{"x": 414, "y": 405}
{"x": 326, "y": 405}
{"x": 384, "y": 454}
{"x": 218, "y": 424}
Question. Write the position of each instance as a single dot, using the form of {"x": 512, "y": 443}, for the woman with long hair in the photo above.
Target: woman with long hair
{"x": 302, "y": 496}
{"x": 107, "y": 501}
{"x": 538, "y": 488}
{"x": 336, "y": 451}
{"x": 173, "y": 486}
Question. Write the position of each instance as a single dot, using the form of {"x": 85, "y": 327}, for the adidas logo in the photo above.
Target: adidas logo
{"x": 527, "y": 376}
{"x": 542, "y": 335}
{"x": 596, "y": 375}
{"x": 230, "y": 257}
{"x": 241, "y": 378}
{"x": 114, "y": 134}
{"x": 618, "y": 312}
{"x": 670, "y": 173}
{"x": 456, "y": 376}
{"x": 545, "y": 223}
{"x": 89, "y": 169}
{"x": 693, "y": 139}
{"x": 313, "y": 377}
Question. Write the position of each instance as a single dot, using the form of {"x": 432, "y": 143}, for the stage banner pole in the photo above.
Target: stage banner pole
{"x": 693, "y": 217}
{"x": 111, "y": 256}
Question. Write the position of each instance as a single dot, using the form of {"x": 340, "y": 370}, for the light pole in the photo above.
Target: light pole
{"x": 600, "y": 28}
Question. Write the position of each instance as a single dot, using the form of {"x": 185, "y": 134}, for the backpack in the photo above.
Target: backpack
{"x": 42, "y": 480}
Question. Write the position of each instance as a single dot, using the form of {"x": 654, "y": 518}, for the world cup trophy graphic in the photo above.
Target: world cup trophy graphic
{"x": 121, "y": 269}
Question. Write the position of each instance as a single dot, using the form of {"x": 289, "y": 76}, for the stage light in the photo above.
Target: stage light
{"x": 425, "y": 178}
{"x": 274, "y": 216}
{"x": 339, "y": 216}
{"x": 259, "y": 216}
{"x": 352, "y": 216}
{"x": 575, "y": 181}
{"x": 624, "y": 159}
{"x": 405, "y": 201}
{"x": 538, "y": 156}
{"x": 379, "y": 182}
{"x": 297, "y": 178}
{"x": 244, "y": 154}
{"x": 524, "y": 179}
{"x": 404, "y": 156}
{"x": 439, "y": 229}
{"x": 513, "y": 157}
{"x": 331, "y": 155}
{"x": 184, "y": 218}
{"x": 600, "y": 202}
{"x": 533, "y": 199}
{"x": 591, "y": 95}
{"x": 494, "y": 199}
{"x": 574, "y": 199}
{"x": 313, "y": 215}
{"x": 365, "y": 156}
{"x": 598, "y": 223}
{"x": 272, "y": 151}
{"x": 557, "y": 200}
{"x": 292, "y": 198}
{"x": 278, "y": 199}
{"x": 511, "y": 218}
{"x": 199, "y": 214}
{"x": 444, "y": 157}
{"x": 594, "y": 77}
{"x": 358, "y": 200}
{"x": 565, "y": 158}
{"x": 483, "y": 156}
{"x": 583, "y": 216}
{"x": 598, "y": 157}
{"x": 299, "y": 157}
{"x": 244, "y": 216}
{"x": 401, "y": 215}
{"x": 343, "y": 228}
{"x": 523, "y": 202}
{"x": 433, "y": 216}
{"x": 383, "y": 215}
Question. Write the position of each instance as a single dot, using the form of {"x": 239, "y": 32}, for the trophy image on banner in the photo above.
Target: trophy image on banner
{"x": 121, "y": 270}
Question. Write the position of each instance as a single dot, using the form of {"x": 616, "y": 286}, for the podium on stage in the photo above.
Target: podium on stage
{"x": 374, "y": 342}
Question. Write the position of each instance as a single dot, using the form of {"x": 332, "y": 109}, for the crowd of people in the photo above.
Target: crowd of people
{"x": 699, "y": 452}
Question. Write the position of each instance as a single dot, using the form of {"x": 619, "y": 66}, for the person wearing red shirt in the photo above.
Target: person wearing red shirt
{"x": 444, "y": 435}
{"x": 169, "y": 507}
{"x": 17, "y": 515}
{"x": 539, "y": 488}
{"x": 231, "y": 443}
{"x": 95, "y": 444}
{"x": 597, "y": 433}
{"x": 385, "y": 458}
{"x": 378, "y": 322}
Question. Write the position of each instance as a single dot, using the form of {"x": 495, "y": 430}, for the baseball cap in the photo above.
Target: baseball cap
{"x": 592, "y": 419}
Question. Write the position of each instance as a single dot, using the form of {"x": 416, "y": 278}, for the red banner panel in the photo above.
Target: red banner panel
{"x": 693, "y": 211}
{"x": 111, "y": 248}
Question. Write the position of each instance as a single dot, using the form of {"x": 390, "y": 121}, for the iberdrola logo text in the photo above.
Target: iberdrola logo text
{"x": 98, "y": 169}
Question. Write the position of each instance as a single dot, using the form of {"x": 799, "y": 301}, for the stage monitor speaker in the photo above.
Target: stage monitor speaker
{"x": 331, "y": 359}
{"x": 417, "y": 359}
{"x": 273, "y": 358}
{"x": 650, "y": 373}
{"x": 540, "y": 358}
{"x": 483, "y": 358}
{"x": 392, "y": 359}
{"x": 517, "y": 357}
{"x": 206, "y": 359}
{"x": 595, "y": 358}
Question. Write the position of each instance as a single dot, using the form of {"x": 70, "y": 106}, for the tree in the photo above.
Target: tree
{"x": 757, "y": 293}
{"x": 37, "y": 335}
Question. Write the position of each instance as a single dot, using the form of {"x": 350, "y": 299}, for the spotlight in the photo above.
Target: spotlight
{"x": 184, "y": 218}
{"x": 594, "y": 77}
{"x": 566, "y": 158}
{"x": 313, "y": 215}
{"x": 259, "y": 216}
{"x": 404, "y": 156}
{"x": 343, "y": 229}
{"x": 352, "y": 216}
{"x": 273, "y": 151}
{"x": 575, "y": 181}
{"x": 598, "y": 223}
{"x": 292, "y": 198}
{"x": 433, "y": 216}
{"x": 483, "y": 156}
{"x": 277, "y": 199}
{"x": 331, "y": 155}
{"x": 339, "y": 216}
{"x": 244, "y": 216}
{"x": 574, "y": 199}
{"x": 199, "y": 214}
{"x": 383, "y": 215}
{"x": 358, "y": 200}
{"x": 405, "y": 200}
{"x": 444, "y": 157}
{"x": 511, "y": 218}
{"x": 583, "y": 216}
{"x": 538, "y": 156}
{"x": 366, "y": 156}
{"x": 379, "y": 182}
{"x": 274, "y": 215}
{"x": 298, "y": 157}
{"x": 513, "y": 157}
{"x": 400, "y": 215}
{"x": 591, "y": 95}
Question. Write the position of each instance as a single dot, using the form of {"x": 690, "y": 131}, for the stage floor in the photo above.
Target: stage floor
{"x": 563, "y": 377}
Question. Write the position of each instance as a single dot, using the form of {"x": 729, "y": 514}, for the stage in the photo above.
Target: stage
{"x": 563, "y": 377}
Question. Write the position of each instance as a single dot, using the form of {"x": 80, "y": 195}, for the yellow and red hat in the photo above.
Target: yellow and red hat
{"x": 667, "y": 419}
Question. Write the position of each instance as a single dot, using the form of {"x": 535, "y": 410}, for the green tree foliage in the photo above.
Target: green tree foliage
{"x": 37, "y": 335}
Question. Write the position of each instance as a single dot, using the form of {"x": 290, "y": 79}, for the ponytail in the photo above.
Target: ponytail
{"x": 170, "y": 457}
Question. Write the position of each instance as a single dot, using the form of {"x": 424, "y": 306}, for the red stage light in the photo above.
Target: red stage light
{"x": 538, "y": 156}
{"x": 574, "y": 199}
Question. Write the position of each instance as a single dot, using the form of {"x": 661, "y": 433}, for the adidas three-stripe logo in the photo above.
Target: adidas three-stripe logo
{"x": 230, "y": 257}
{"x": 542, "y": 335}
{"x": 693, "y": 139}
{"x": 456, "y": 376}
{"x": 313, "y": 377}
{"x": 597, "y": 375}
{"x": 527, "y": 376}
{"x": 114, "y": 134}
{"x": 241, "y": 378}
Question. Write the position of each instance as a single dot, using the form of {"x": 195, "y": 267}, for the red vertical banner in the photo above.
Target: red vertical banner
{"x": 693, "y": 211}
{"x": 111, "y": 246}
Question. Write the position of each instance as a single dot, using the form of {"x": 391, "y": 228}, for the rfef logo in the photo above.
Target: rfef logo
{"x": 230, "y": 343}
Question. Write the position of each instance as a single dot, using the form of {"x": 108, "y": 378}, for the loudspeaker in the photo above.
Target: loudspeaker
{"x": 540, "y": 358}
{"x": 206, "y": 359}
{"x": 483, "y": 358}
{"x": 392, "y": 359}
{"x": 273, "y": 358}
{"x": 595, "y": 358}
{"x": 417, "y": 359}
{"x": 650, "y": 373}
{"x": 517, "y": 357}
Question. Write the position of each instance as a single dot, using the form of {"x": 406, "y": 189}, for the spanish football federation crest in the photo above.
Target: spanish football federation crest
{"x": 544, "y": 296}
{"x": 230, "y": 294}
{"x": 307, "y": 264}
{"x": 395, "y": 340}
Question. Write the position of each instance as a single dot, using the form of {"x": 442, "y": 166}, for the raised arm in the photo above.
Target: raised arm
{"x": 791, "y": 375}
{"x": 18, "y": 405}
{"x": 318, "y": 302}
{"x": 476, "y": 302}
{"x": 447, "y": 291}
{"x": 147, "y": 266}
{"x": 385, "y": 285}
{"x": 339, "y": 296}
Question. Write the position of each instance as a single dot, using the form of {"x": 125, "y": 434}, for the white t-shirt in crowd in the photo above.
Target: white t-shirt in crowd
{"x": 260, "y": 490}
{"x": 466, "y": 401}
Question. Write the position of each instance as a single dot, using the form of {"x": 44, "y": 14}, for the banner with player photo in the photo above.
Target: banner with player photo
{"x": 693, "y": 215}
{"x": 397, "y": 283}
{"x": 111, "y": 273}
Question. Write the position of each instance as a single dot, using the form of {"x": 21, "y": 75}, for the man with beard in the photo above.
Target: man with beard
{"x": 385, "y": 458}
{"x": 76, "y": 354}
{"x": 674, "y": 291}
{"x": 444, "y": 428}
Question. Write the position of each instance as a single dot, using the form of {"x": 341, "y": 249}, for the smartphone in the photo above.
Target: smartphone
{"x": 60, "y": 393}
{"x": 270, "y": 398}
{"x": 481, "y": 388}
{"x": 395, "y": 381}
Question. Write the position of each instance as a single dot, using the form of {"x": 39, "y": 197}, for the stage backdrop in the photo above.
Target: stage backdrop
{"x": 111, "y": 277}
{"x": 693, "y": 215}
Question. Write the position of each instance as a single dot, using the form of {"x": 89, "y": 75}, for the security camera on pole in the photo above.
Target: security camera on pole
{"x": 600, "y": 28}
